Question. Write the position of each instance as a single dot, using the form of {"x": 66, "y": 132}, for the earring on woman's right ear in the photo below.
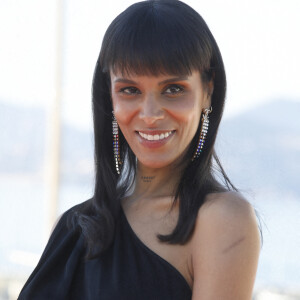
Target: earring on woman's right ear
{"x": 116, "y": 146}
{"x": 203, "y": 132}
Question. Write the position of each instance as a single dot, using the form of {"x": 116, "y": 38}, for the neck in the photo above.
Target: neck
{"x": 155, "y": 183}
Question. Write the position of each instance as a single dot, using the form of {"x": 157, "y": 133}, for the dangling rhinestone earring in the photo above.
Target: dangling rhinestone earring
{"x": 203, "y": 132}
{"x": 115, "y": 131}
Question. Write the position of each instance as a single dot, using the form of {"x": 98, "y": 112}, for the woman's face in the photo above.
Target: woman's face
{"x": 158, "y": 115}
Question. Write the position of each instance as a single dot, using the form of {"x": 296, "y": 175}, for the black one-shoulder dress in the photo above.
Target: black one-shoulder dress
{"x": 128, "y": 270}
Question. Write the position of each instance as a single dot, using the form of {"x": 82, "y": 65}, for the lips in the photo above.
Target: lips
{"x": 155, "y": 138}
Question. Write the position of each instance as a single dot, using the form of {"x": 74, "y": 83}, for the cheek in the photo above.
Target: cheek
{"x": 187, "y": 110}
{"x": 124, "y": 110}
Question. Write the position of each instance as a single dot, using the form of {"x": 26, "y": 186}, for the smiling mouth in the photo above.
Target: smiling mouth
{"x": 156, "y": 136}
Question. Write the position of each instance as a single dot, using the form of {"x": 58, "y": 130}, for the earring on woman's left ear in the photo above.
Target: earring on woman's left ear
{"x": 116, "y": 146}
{"x": 203, "y": 132}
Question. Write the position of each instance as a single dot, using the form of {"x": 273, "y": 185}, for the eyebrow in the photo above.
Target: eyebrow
{"x": 124, "y": 80}
{"x": 180, "y": 78}
{"x": 129, "y": 81}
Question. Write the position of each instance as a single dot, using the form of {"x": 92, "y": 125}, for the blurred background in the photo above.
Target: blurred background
{"x": 48, "y": 50}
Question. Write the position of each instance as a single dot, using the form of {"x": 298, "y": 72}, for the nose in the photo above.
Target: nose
{"x": 151, "y": 110}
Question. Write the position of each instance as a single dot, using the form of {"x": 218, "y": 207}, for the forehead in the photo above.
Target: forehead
{"x": 128, "y": 70}
{"x": 118, "y": 76}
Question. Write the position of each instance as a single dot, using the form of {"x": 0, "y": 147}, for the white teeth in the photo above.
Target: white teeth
{"x": 155, "y": 137}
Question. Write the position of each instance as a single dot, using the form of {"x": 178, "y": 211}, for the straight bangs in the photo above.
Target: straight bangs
{"x": 155, "y": 38}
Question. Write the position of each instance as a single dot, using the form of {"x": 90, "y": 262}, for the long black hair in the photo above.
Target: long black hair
{"x": 150, "y": 38}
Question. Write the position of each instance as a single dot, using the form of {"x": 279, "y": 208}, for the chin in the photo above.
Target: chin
{"x": 156, "y": 163}
{"x": 153, "y": 164}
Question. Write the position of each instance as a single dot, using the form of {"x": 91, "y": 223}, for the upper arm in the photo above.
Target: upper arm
{"x": 225, "y": 249}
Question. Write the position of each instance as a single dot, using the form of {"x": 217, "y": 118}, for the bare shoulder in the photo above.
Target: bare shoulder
{"x": 225, "y": 248}
{"x": 226, "y": 215}
{"x": 227, "y": 205}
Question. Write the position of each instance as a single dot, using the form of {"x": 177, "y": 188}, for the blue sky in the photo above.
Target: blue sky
{"x": 258, "y": 40}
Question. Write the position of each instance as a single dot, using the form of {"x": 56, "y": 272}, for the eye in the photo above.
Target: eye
{"x": 130, "y": 90}
{"x": 173, "y": 89}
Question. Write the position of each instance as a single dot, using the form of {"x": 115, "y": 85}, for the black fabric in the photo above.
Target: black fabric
{"x": 128, "y": 270}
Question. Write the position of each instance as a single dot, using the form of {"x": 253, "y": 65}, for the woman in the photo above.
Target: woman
{"x": 160, "y": 225}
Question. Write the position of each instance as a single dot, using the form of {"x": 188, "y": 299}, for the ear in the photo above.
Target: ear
{"x": 209, "y": 92}
{"x": 109, "y": 78}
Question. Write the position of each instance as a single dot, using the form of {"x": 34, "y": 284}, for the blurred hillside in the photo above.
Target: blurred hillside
{"x": 261, "y": 148}
{"x": 23, "y": 151}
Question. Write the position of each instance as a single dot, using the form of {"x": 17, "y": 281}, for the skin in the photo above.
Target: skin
{"x": 220, "y": 260}
{"x": 225, "y": 249}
